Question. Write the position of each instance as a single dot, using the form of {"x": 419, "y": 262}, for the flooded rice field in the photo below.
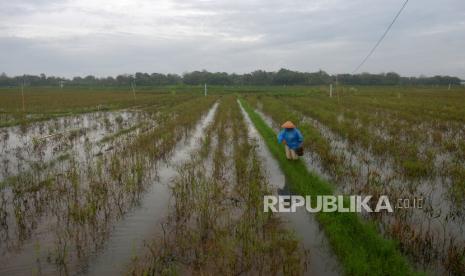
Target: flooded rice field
{"x": 129, "y": 235}
{"x": 78, "y": 215}
{"x": 433, "y": 236}
{"x": 216, "y": 223}
{"x": 176, "y": 186}
{"x": 26, "y": 147}
{"x": 88, "y": 173}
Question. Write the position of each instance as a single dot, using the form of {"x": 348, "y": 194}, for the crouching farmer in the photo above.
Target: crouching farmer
{"x": 291, "y": 137}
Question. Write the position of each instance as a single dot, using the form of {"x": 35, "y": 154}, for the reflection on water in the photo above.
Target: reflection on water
{"x": 24, "y": 148}
{"x": 322, "y": 260}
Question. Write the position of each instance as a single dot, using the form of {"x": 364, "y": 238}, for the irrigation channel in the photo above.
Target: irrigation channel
{"x": 322, "y": 260}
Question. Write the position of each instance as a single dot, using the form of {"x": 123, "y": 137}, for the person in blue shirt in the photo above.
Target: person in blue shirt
{"x": 291, "y": 137}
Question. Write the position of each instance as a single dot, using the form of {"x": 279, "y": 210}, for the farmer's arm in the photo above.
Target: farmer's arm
{"x": 300, "y": 138}
{"x": 281, "y": 136}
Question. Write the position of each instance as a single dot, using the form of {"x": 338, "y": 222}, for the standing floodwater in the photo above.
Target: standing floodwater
{"x": 60, "y": 219}
{"x": 128, "y": 236}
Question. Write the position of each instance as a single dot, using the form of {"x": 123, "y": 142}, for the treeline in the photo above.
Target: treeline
{"x": 259, "y": 77}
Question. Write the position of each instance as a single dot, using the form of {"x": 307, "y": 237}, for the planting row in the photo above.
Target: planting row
{"x": 217, "y": 224}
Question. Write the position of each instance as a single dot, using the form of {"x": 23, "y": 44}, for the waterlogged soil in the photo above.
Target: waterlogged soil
{"x": 35, "y": 240}
{"x": 30, "y": 242}
{"x": 216, "y": 223}
{"x": 438, "y": 214}
{"x": 322, "y": 260}
{"x": 128, "y": 237}
{"x": 25, "y": 147}
{"x": 109, "y": 244}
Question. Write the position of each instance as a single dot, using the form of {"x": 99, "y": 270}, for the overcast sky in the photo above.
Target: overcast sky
{"x": 110, "y": 37}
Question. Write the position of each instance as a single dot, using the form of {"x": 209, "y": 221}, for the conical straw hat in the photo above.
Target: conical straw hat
{"x": 288, "y": 124}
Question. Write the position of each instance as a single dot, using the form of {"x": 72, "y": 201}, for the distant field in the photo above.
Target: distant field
{"x": 43, "y": 103}
{"x": 54, "y": 99}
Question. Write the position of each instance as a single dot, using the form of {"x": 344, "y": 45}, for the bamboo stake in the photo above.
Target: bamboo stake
{"x": 133, "y": 86}
{"x": 22, "y": 95}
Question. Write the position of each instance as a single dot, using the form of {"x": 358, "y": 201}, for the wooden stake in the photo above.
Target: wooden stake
{"x": 133, "y": 86}
{"x": 22, "y": 95}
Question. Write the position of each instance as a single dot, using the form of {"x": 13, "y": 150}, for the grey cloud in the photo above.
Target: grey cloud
{"x": 232, "y": 36}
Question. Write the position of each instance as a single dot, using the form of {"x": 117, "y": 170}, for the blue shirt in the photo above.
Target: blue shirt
{"x": 292, "y": 136}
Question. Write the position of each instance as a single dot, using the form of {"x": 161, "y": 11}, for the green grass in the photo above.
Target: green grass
{"x": 357, "y": 244}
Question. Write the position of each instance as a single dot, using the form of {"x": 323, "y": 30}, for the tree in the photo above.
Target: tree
{"x": 258, "y": 77}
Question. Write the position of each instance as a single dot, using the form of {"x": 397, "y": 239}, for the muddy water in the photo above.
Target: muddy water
{"x": 354, "y": 156}
{"x": 44, "y": 141}
{"x": 448, "y": 220}
{"x": 36, "y": 250}
{"x": 307, "y": 229}
{"x": 128, "y": 236}
{"x": 31, "y": 231}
